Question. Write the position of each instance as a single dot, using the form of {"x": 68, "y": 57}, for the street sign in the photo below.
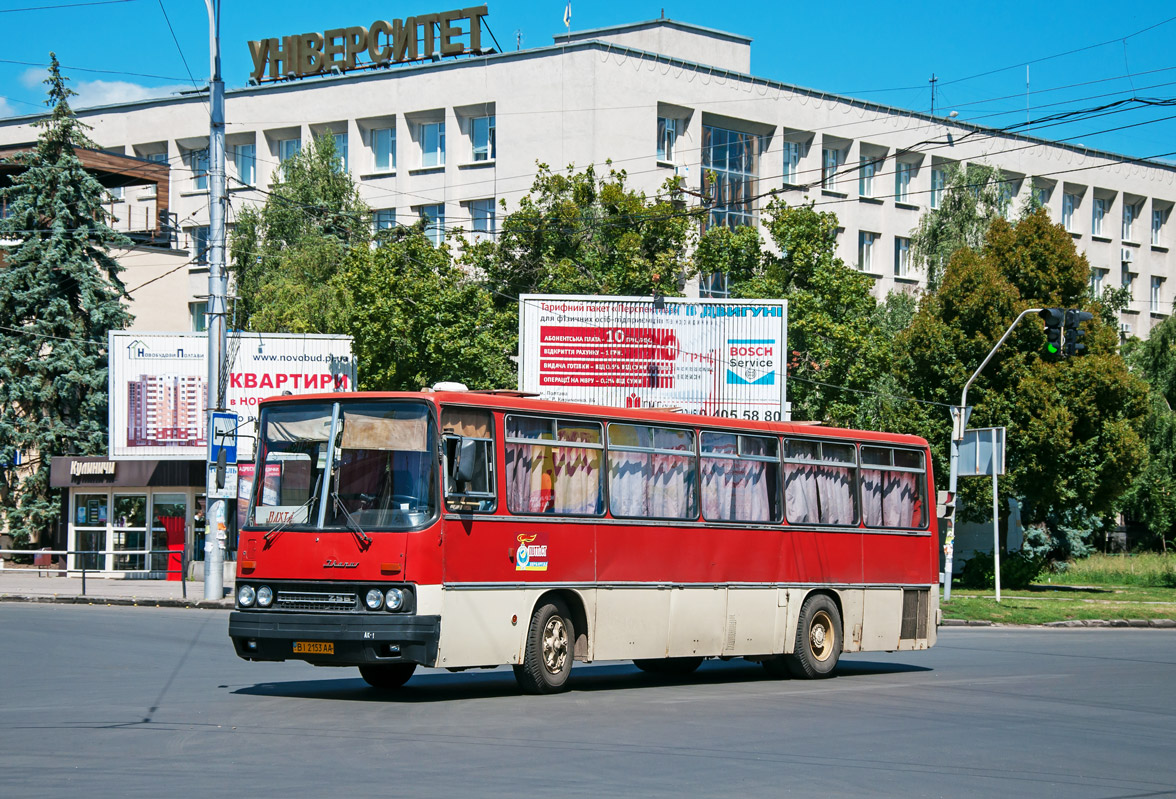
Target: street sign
{"x": 229, "y": 491}
{"x": 224, "y": 436}
{"x": 982, "y": 452}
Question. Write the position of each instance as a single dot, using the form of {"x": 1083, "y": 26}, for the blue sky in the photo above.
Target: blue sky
{"x": 1079, "y": 55}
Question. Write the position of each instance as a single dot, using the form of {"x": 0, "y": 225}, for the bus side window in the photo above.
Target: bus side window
{"x": 468, "y": 436}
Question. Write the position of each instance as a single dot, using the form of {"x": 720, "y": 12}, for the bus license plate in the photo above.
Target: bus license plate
{"x": 314, "y": 648}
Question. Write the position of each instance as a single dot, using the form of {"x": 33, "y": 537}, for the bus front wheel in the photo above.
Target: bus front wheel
{"x": 387, "y": 676}
{"x": 547, "y": 663}
{"x": 818, "y": 639}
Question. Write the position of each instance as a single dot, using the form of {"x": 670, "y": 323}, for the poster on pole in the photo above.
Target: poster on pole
{"x": 158, "y": 384}
{"x": 712, "y": 357}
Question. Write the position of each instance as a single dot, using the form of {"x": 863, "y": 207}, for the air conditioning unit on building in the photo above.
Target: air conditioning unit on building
{"x": 1128, "y": 255}
{"x": 1125, "y": 329}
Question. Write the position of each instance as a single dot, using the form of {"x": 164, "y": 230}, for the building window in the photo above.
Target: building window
{"x": 866, "y": 250}
{"x": 384, "y": 148}
{"x": 902, "y": 181}
{"x": 200, "y": 169}
{"x": 1096, "y": 281}
{"x": 830, "y": 162}
{"x": 731, "y": 159}
{"x": 791, "y": 162}
{"x": 433, "y": 144}
{"x": 245, "y": 157}
{"x": 482, "y": 219}
{"x": 199, "y": 252}
{"x": 713, "y": 285}
{"x": 938, "y": 182}
{"x": 1156, "y": 283}
{"x": 1096, "y": 218}
{"x": 1128, "y": 222}
{"x": 1007, "y": 192}
{"x": 288, "y": 148}
{"x": 667, "y": 137}
{"x": 149, "y": 191}
{"x": 1159, "y": 216}
{"x": 384, "y": 219}
{"x": 435, "y": 229}
{"x": 1041, "y": 193}
{"x": 902, "y": 257}
{"x": 198, "y": 312}
{"x": 482, "y": 133}
{"x": 866, "y": 177}
{"x": 1069, "y": 202}
{"x": 341, "y": 151}
{"x": 1128, "y": 280}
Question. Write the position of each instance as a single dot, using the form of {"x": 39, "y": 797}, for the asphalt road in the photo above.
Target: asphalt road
{"x": 110, "y": 701}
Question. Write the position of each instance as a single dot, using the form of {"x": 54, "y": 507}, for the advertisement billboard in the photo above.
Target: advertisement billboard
{"x": 159, "y": 392}
{"x": 713, "y": 357}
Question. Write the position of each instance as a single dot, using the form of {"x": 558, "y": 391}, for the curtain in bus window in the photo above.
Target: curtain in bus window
{"x": 576, "y": 487}
{"x": 629, "y": 474}
{"x": 800, "y": 493}
{"x": 717, "y": 489}
{"x": 529, "y": 473}
{"x": 752, "y": 491}
{"x": 872, "y": 480}
{"x": 902, "y": 504}
{"x": 671, "y": 490}
{"x": 835, "y": 487}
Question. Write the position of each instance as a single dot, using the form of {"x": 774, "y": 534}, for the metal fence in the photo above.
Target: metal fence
{"x": 43, "y": 562}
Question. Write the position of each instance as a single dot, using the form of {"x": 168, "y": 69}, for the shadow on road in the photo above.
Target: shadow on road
{"x": 439, "y": 686}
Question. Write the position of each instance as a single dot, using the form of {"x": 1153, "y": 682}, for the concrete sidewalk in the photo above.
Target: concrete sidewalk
{"x": 26, "y": 585}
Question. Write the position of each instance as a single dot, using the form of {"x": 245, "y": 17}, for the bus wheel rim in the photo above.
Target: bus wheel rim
{"x": 555, "y": 645}
{"x": 821, "y": 636}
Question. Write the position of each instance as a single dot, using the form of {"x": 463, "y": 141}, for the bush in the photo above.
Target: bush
{"x": 1017, "y": 571}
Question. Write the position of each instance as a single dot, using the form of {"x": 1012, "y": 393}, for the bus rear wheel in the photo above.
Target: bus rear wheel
{"x": 547, "y": 662}
{"x": 387, "y": 676}
{"x": 677, "y": 667}
{"x": 818, "y": 639}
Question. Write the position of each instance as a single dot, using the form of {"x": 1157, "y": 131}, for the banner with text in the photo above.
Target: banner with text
{"x": 158, "y": 386}
{"x": 712, "y": 357}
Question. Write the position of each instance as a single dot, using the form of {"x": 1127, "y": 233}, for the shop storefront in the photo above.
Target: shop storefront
{"x": 132, "y": 518}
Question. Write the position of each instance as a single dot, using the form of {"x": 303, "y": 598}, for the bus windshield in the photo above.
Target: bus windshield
{"x": 378, "y": 474}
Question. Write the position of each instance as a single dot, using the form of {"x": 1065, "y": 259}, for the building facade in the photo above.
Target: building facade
{"x": 451, "y": 139}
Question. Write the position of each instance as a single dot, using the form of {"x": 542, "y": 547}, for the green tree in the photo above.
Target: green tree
{"x": 973, "y": 196}
{"x": 836, "y": 352}
{"x": 417, "y": 318}
{"x": 1150, "y": 504}
{"x": 1073, "y": 425}
{"x": 60, "y": 294}
{"x": 286, "y": 254}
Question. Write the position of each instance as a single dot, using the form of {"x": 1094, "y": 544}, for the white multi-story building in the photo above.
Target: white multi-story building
{"x": 448, "y": 138}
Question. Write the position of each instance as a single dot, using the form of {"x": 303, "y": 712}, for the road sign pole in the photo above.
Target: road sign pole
{"x": 997, "y": 463}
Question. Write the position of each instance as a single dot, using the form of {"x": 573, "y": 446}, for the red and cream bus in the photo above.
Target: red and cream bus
{"x": 465, "y": 529}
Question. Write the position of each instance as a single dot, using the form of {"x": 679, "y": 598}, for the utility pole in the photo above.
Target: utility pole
{"x": 933, "y": 79}
{"x": 959, "y": 417}
{"x": 216, "y": 531}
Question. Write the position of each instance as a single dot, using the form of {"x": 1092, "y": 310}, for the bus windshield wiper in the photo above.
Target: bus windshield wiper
{"x": 280, "y": 526}
{"x": 351, "y": 522}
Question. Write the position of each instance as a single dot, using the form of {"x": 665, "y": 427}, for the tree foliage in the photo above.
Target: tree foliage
{"x": 287, "y": 253}
{"x": 973, "y": 196}
{"x": 1151, "y": 502}
{"x": 1073, "y": 425}
{"x": 60, "y": 294}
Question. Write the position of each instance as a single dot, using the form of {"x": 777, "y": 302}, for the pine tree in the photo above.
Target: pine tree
{"x": 60, "y": 294}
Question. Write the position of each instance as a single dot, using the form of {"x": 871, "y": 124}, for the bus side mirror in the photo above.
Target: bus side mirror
{"x": 465, "y": 465}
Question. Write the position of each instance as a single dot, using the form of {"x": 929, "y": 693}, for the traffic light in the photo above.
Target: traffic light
{"x": 1075, "y": 334}
{"x": 1053, "y": 329}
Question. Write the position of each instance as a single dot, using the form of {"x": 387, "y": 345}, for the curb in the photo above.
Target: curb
{"x": 210, "y": 604}
{"x": 1119, "y": 623}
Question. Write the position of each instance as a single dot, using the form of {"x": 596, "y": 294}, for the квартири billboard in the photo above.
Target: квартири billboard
{"x": 159, "y": 393}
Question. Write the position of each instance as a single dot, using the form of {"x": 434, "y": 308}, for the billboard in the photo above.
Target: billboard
{"x": 159, "y": 388}
{"x": 713, "y": 357}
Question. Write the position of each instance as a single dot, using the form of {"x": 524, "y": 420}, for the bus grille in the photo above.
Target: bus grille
{"x": 317, "y": 600}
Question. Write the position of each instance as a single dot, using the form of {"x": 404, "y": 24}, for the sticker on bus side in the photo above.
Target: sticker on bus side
{"x": 531, "y": 555}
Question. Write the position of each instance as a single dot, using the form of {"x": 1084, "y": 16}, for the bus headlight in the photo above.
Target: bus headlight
{"x": 246, "y": 596}
{"x": 394, "y": 599}
{"x": 374, "y": 599}
{"x": 265, "y": 596}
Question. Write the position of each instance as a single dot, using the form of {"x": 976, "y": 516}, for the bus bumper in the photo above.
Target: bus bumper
{"x": 355, "y": 639}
